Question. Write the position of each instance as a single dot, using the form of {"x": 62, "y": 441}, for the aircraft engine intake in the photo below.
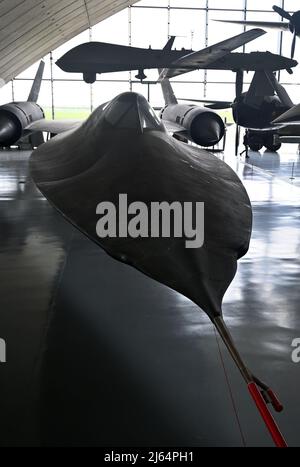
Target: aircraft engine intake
{"x": 202, "y": 126}
{"x": 14, "y": 118}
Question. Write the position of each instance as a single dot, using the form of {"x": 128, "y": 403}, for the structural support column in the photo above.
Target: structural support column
{"x": 169, "y": 19}
{"x": 52, "y": 86}
{"x": 91, "y": 85}
{"x": 12, "y": 90}
{"x": 206, "y": 44}
{"x": 280, "y": 41}
{"x": 130, "y": 42}
{"x": 245, "y": 19}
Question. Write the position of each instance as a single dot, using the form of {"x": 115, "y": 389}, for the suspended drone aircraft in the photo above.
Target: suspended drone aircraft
{"x": 98, "y": 57}
{"x": 293, "y": 24}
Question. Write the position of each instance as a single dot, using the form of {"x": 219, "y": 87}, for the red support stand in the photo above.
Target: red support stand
{"x": 266, "y": 415}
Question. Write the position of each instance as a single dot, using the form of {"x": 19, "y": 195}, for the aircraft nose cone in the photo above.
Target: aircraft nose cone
{"x": 131, "y": 111}
{"x": 7, "y": 130}
{"x": 207, "y": 129}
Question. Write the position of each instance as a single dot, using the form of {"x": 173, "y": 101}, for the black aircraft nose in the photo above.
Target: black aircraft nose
{"x": 132, "y": 111}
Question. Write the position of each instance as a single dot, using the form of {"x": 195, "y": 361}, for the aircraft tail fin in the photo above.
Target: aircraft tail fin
{"x": 36, "y": 87}
{"x": 168, "y": 91}
{"x": 170, "y": 43}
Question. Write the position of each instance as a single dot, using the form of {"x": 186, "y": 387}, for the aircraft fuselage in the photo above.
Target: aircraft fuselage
{"x": 102, "y": 58}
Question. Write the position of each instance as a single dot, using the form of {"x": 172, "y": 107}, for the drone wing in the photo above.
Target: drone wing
{"x": 203, "y": 58}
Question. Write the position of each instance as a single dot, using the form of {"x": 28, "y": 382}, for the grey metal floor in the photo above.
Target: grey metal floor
{"x": 98, "y": 354}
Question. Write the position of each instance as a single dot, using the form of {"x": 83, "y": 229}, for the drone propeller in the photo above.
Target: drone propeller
{"x": 282, "y": 13}
{"x": 294, "y": 43}
{"x": 294, "y": 24}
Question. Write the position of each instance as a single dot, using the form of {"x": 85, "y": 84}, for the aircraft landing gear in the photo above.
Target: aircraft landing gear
{"x": 256, "y": 147}
{"x": 272, "y": 143}
{"x": 255, "y": 141}
{"x": 245, "y": 143}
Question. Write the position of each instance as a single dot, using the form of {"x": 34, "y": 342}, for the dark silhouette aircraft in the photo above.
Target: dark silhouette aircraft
{"x": 123, "y": 148}
{"x": 265, "y": 100}
{"x": 16, "y": 117}
{"x": 293, "y": 24}
{"x": 97, "y": 57}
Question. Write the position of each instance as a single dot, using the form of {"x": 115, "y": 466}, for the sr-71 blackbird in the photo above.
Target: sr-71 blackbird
{"x": 123, "y": 148}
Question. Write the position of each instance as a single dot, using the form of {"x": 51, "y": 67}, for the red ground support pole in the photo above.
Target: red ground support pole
{"x": 267, "y": 417}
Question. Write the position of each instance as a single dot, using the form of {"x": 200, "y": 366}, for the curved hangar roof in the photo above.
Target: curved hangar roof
{"x": 32, "y": 28}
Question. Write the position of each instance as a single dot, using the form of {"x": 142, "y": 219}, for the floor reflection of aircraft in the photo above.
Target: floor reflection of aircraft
{"x": 269, "y": 161}
{"x": 17, "y": 190}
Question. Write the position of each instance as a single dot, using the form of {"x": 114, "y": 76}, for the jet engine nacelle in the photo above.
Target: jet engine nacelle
{"x": 257, "y": 114}
{"x": 203, "y": 126}
{"x": 14, "y": 118}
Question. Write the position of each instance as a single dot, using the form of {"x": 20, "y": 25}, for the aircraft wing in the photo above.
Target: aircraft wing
{"x": 291, "y": 117}
{"x": 259, "y": 24}
{"x": 203, "y": 58}
{"x": 264, "y": 130}
{"x": 289, "y": 139}
{"x": 210, "y": 104}
{"x": 53, "y": 126}
{"x": 174, "y": 127}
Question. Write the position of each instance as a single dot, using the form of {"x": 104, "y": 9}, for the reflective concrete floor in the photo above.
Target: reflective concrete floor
{"x": 98, "y": 354}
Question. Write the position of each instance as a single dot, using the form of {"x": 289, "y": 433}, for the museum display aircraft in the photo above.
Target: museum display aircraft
{"x": 265, "y": 100}
{"x": 98, "y": 57}
{"x": 293, "y": 24}
{"x": 254, "y": 110}
{"x": 123, "y": 150}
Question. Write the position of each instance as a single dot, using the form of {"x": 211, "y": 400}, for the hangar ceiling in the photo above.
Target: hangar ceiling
{"x": 30, "y": 29}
